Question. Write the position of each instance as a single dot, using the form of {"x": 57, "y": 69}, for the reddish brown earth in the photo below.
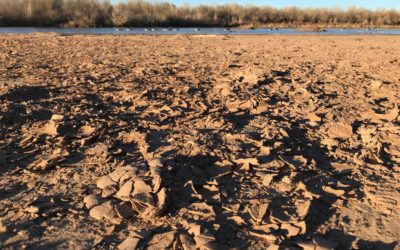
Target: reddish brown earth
{"x": 207, "y": 142}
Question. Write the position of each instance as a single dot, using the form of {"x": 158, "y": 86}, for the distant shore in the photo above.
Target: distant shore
{"x": 96, "y": 13}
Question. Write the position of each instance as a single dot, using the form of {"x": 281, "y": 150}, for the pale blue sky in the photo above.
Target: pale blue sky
{"x": 370, "y": 4}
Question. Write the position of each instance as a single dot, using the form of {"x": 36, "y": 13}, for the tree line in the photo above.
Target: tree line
{"x": 138, "y": 13}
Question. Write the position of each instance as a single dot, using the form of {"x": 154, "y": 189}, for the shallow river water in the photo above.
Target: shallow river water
{"x": 174, "y": 31}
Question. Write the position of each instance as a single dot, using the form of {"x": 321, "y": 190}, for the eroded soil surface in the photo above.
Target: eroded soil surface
{"x": 207, "y": 142}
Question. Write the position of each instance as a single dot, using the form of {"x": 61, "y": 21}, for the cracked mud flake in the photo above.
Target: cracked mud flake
{"x": 124, "y": 210}
{"x": 129, "y": 243}
{"x": 92, "y": 200}
{"x": 258, "y": 211}
{"x": 86, "y": 131}
{"x": 162, "y": 241}
{"x": 105, "y": 181}
{"x": 141, "y": 187}
{"x": 375, "y": 117}
{"x": 125, "y": 191}
{"x": 105, "y": 210}
{"x": 50, "y": 160}
{"x": 340, "y": 130}
{"x": 50, "y": 128}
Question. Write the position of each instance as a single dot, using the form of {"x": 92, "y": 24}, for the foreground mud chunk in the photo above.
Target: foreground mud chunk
{"x": 32, "y": 209}
{"x": 108, "y": 191}
{"x": 125, "y": 191}
{"x": 263, "y": 235}
{"x": 136, "y": 194}
{"x": 201, "y": 209}
{"x": 302, "y": 208}
{"x": 290, "y": 230}
{"x": 146, "y": 205}
{"x": 205, "y": 240}
{"x": 334, "y": 191}
{"x": 211, "y": 194}
{"x": 3, "y": 227}
{"x": 314, "y": 119}
{"x": 141, "y": 187}
{"x": 247, "y": 163}
{"x": 129, "y": 243}
{"x": 57, "y": 118}
{"x": 122, "y": 174}
{"x": 124, "y": 210}
{"x": 149, "y": 205}
{"x": 258, "y": 211}
{"x": 86, "y": 131}
{"x": 324, "y": 244}
{"x": 105, "y": 182}
{"x": 306, "y": 245}
{"x": 92, "y": 200}
{"x": 104, "y": 211}
{"x": 52, "y": 125}
{"x": 99, "y": 150}
{"x": 162, "y": 241}
{"x": 187, "y": 242}
{"x": 162, "y": 200}
{"x": 50, "y": 160}
{"x": 50, "y": 128}
{"x": 342, "y": 168}
{"x": 340, "y": 130}
{"x": 290, "y": 211}
{"x": 155, "y": 164}
{"x": 389, "y": 116}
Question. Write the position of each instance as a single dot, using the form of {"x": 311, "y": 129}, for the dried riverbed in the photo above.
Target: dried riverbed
{"x": 209, "y": 142}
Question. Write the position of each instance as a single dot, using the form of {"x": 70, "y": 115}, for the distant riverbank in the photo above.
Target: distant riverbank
{"x": 95, "y": 13}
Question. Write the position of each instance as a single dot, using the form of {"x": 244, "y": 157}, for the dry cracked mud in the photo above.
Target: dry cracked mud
{"x": 199, "y": 142}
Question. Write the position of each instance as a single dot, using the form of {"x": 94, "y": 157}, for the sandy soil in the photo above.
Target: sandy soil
{"x": 208, "y": 142}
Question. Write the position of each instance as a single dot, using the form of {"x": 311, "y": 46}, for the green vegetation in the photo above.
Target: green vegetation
{"x": 100, "y": 13}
